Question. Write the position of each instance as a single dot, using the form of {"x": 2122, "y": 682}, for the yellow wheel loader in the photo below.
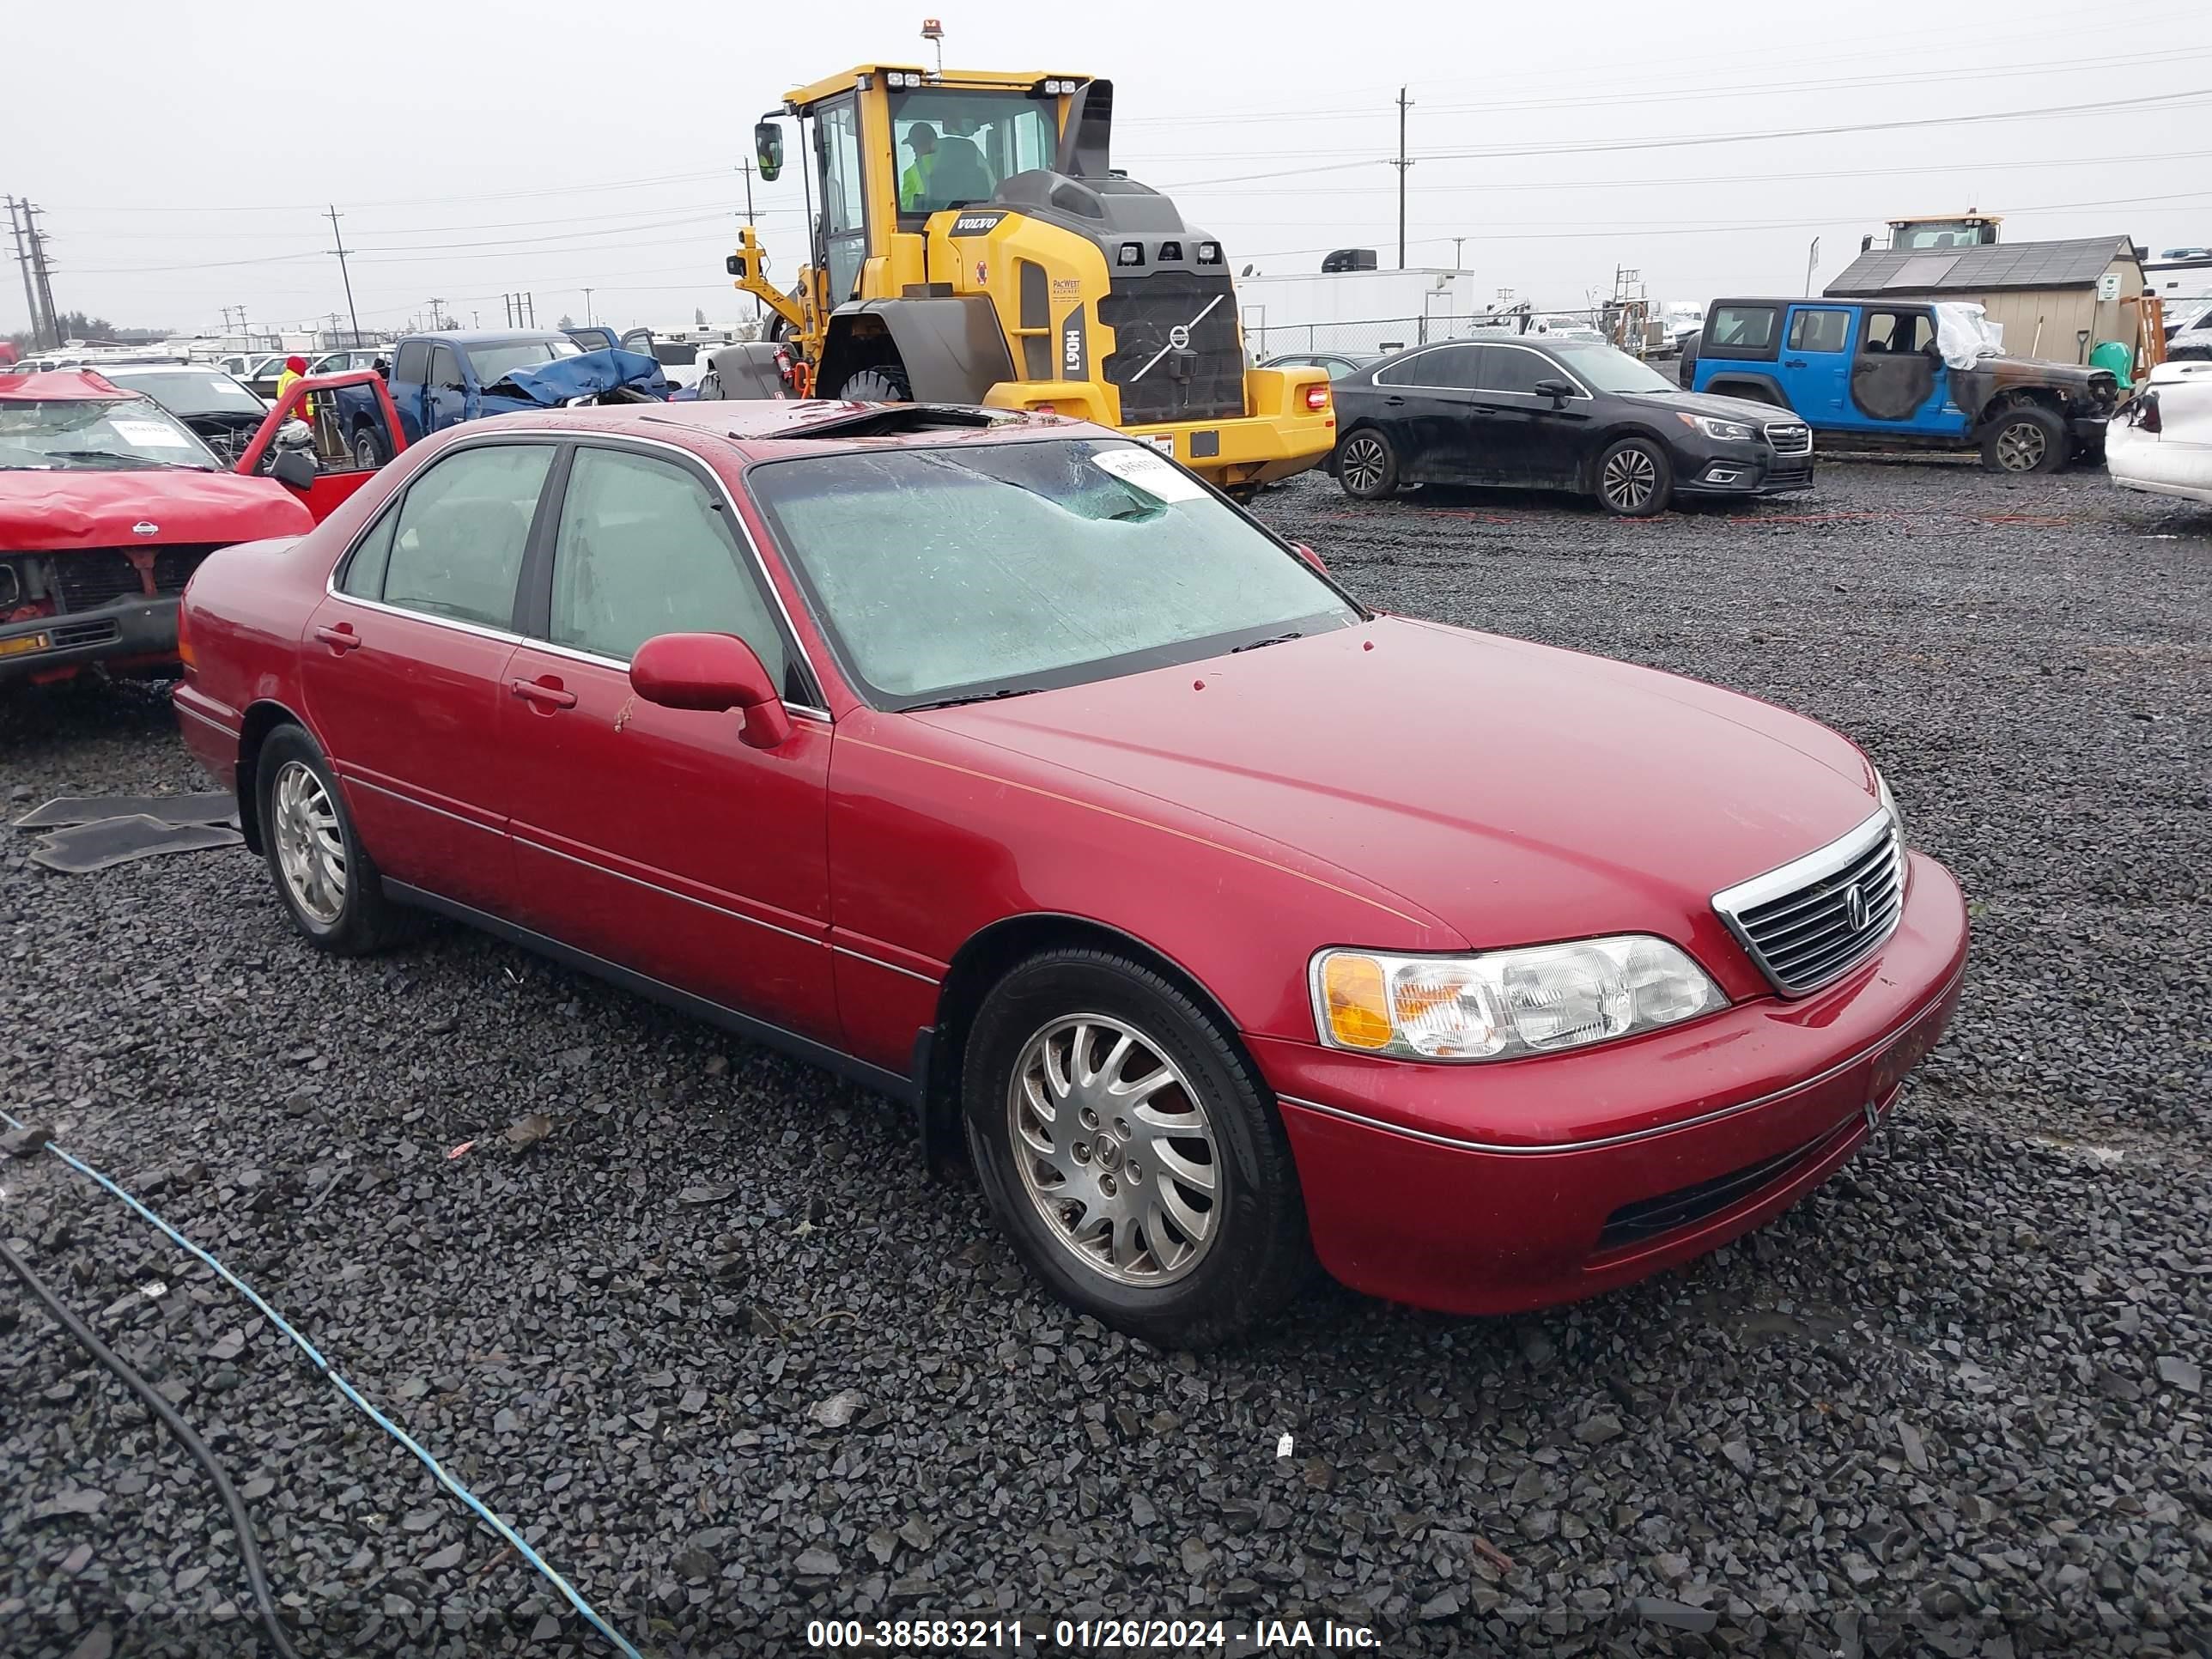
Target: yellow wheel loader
{"x": 971, "y": 245}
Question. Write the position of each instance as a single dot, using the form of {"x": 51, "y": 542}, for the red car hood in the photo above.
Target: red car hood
{"x": 1515, "y": 792}
{"x": 52, "y": 512}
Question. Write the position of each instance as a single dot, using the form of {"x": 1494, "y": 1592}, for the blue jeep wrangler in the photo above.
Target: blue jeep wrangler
{"x": 1903, "y": 374}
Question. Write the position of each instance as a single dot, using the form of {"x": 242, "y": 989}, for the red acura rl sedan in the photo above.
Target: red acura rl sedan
{"x": 995, "y": 761}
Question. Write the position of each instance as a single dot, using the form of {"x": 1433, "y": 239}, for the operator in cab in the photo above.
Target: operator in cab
{"x": 913, "y": 183}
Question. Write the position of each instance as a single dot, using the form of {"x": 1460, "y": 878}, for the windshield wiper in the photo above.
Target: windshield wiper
{"x": 976, "y": 697}
{"x": 1253, "y": 645}
{"x": 114, "y": 455}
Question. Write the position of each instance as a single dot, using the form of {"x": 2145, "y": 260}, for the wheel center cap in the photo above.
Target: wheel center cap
{"x": 1109, "y": 1154}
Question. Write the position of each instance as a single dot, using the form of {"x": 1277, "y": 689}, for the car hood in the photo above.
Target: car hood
{"x": 52, "y": 512}
{"x": 1705, "y": 403}
{"x": 1514, "y": 791}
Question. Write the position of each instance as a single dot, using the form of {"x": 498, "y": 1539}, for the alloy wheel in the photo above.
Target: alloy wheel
{"x": 1116, "y": 1150}
{"x": 1362, "y": 465}
{"x": 2021, "y": 447}
{"x": 310, "y": 846}
{"x": 1628, "y": 480}
{"x": 364, "y": 453}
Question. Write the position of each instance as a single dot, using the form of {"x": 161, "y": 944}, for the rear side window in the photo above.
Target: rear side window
{"x": 1740, "y": 331}
{"x": 643, "y": 549}
{"x": 1819, "y": 331}
{"x": 414, "y": 358}
{"x": 1456, "y": 367}
{"x": 457, "y": 539}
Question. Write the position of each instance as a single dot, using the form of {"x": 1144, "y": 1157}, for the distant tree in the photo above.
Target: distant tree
{"x": 78, "y": 325}
{"x": 567, "y": 321}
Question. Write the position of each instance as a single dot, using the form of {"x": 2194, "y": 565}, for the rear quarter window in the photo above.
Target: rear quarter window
{"x": 1740, "y": 331}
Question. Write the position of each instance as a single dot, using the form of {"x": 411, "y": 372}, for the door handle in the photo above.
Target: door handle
{"x": 546, "y": 696}
{"x": 1795, "y": 362}
{"x": 339, "y": 636}
{"x": 1393, "y": 403}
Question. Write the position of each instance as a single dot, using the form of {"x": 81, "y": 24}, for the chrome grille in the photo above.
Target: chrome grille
{"x": 1790, "y": 438}
{"x": 1812, "y": 920}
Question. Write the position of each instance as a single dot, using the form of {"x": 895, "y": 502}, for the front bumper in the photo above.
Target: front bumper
{"x": 1741, "y": 470}
{"x": 1481, "y": 1190}
{"x": 141, "y": 631}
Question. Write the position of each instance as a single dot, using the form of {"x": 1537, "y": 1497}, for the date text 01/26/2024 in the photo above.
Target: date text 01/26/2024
{"x": 1258, "y": 1636}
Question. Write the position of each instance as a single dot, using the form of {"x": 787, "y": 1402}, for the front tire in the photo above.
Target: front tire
{"x": 2025, "y": 440}
{"x": 887, "y": 384}
{"x": 1367, "y": 465}
{"x": 328, "y": 884}
{"x": 1634, "y": 479}
{"x": 1131, "y": 1152}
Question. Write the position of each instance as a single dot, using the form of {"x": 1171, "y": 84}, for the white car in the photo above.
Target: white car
{"x": 2161, "y": 441}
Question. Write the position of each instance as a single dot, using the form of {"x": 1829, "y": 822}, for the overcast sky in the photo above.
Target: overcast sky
{"x": 476, "y": 148}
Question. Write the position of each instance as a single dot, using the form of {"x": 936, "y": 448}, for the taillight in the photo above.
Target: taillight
{"x": 2146, "y": 412}
{"x": 183, "y": 640}
{"x": 1044, "y": 409}
{"x": 1317, "y": 396}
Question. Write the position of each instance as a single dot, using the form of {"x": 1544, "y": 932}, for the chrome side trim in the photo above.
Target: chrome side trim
{"x": 565, "y": 434}
{"x": 1457, "y": 1144}
{"x": 803, "y": 711}
{"x": 346, "y": 776}
{"x": 877, "y": 962}
{"x": 204, "y": 720}
{"x": 669, "y": 892}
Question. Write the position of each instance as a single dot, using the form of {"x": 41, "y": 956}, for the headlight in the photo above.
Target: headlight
{"x": 1727, "y": 432}
{"x": 1503, "y": 1003}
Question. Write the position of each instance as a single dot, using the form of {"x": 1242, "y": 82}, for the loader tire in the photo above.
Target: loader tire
{"x": 886, "y": 384}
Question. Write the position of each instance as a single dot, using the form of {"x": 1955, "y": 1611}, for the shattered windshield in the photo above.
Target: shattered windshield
{"x": 984, "y": 570}
{"x": 98, "y": 434}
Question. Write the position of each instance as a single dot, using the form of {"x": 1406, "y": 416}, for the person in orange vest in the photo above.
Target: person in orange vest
{"x": 296, "y": 367}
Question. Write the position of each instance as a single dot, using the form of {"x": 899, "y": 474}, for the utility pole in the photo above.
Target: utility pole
{"x": 1457, "y": 242}
{"x": 345, "y": 274}
{"x": 587, "y": 308}
{"x": 437, "y": 323}
{"x": 1401, "y": 164}
{"x": 746, "y": 168}
{"x": 39, "y": 277}
{"x": 531, "y": 300}
{"x": 23, "y": 259}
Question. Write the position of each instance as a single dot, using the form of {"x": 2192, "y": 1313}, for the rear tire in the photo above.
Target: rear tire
{"x": 2025, "y": 439}
{"x": 370, "y": 452}
{"x": 1190, "y": 1179}
{"x": 1367, "y": 465}
{"x": 886, "y": 384}
{"x": 328, "y": 884}
{"x": 1634, "y": 479}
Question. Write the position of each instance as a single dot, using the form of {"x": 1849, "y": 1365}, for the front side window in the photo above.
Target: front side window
{"x": 446, "y": 370}
{"x": 1819, "y": 331}
{"x": 1898, "y": 333}
{"x": 1515, "y": 368}
{"x": 457, "y": 538}
{"x": 1740, "y": 328}
{"x": 978, "y": 570}
{"x": 96, "y": 435}
{"x": 414, "y": 358}
{"x": 643, "y": 549}
{"x": 954, "y": 147}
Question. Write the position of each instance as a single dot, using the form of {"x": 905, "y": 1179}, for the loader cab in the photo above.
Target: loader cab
{"x": 886, "y": 146}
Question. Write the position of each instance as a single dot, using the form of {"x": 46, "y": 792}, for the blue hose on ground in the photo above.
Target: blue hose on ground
{"x": 513, "y": 1539}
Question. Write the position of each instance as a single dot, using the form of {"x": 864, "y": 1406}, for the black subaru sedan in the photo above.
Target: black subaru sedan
{"x": 1533, "y": 412}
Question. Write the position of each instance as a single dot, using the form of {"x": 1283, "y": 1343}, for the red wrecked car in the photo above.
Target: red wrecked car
{"x": 108, "y": 503}
{"x": 997, "y": 761}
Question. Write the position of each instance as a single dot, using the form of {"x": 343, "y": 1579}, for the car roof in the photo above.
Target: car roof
{"x": 776, "y": 428}
{"x": 61, "y": 386}
{"x": 490, "y": 336}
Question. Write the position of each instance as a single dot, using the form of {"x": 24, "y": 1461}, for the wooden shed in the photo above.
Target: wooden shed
{"x": 2053, "y": 298}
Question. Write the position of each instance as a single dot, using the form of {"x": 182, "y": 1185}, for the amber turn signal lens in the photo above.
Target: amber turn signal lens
{"x": 1358, "y": 1010}
{"x": 184, "y": 641}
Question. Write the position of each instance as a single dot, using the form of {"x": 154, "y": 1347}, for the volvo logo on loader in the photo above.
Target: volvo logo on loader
{"x": 1179, "y": 337}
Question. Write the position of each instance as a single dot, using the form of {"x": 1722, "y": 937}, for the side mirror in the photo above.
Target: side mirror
{"x": 293, "y": 468}
{"x": 767, "y": 149}
{"x": 1557, "y": 390}
{"x": 712, "y": 672}
{"x": 1309, "y": 556}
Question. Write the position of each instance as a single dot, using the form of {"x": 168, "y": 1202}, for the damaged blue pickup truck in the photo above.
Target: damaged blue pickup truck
{"x": 438, "y": 381}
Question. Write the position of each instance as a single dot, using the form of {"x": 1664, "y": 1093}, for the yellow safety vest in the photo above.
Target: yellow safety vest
{"x": 915, "y": 181}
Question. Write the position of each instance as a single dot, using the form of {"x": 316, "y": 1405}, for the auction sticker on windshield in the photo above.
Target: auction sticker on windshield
{"x": 1149, "y": 473}
{"x": 150, "y": 432}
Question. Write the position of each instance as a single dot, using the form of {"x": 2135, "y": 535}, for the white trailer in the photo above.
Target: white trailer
{"x": 1362, "y": 311}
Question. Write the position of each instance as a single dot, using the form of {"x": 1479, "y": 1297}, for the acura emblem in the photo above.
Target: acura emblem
{"x": 145, "y": 527}
{"x": 1855, "y": 908}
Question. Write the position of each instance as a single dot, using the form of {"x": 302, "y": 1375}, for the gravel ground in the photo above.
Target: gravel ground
{"x": 731, "y": 1365}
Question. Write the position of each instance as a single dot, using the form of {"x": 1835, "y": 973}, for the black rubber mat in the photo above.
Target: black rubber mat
{"x": 88, "y": 846}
